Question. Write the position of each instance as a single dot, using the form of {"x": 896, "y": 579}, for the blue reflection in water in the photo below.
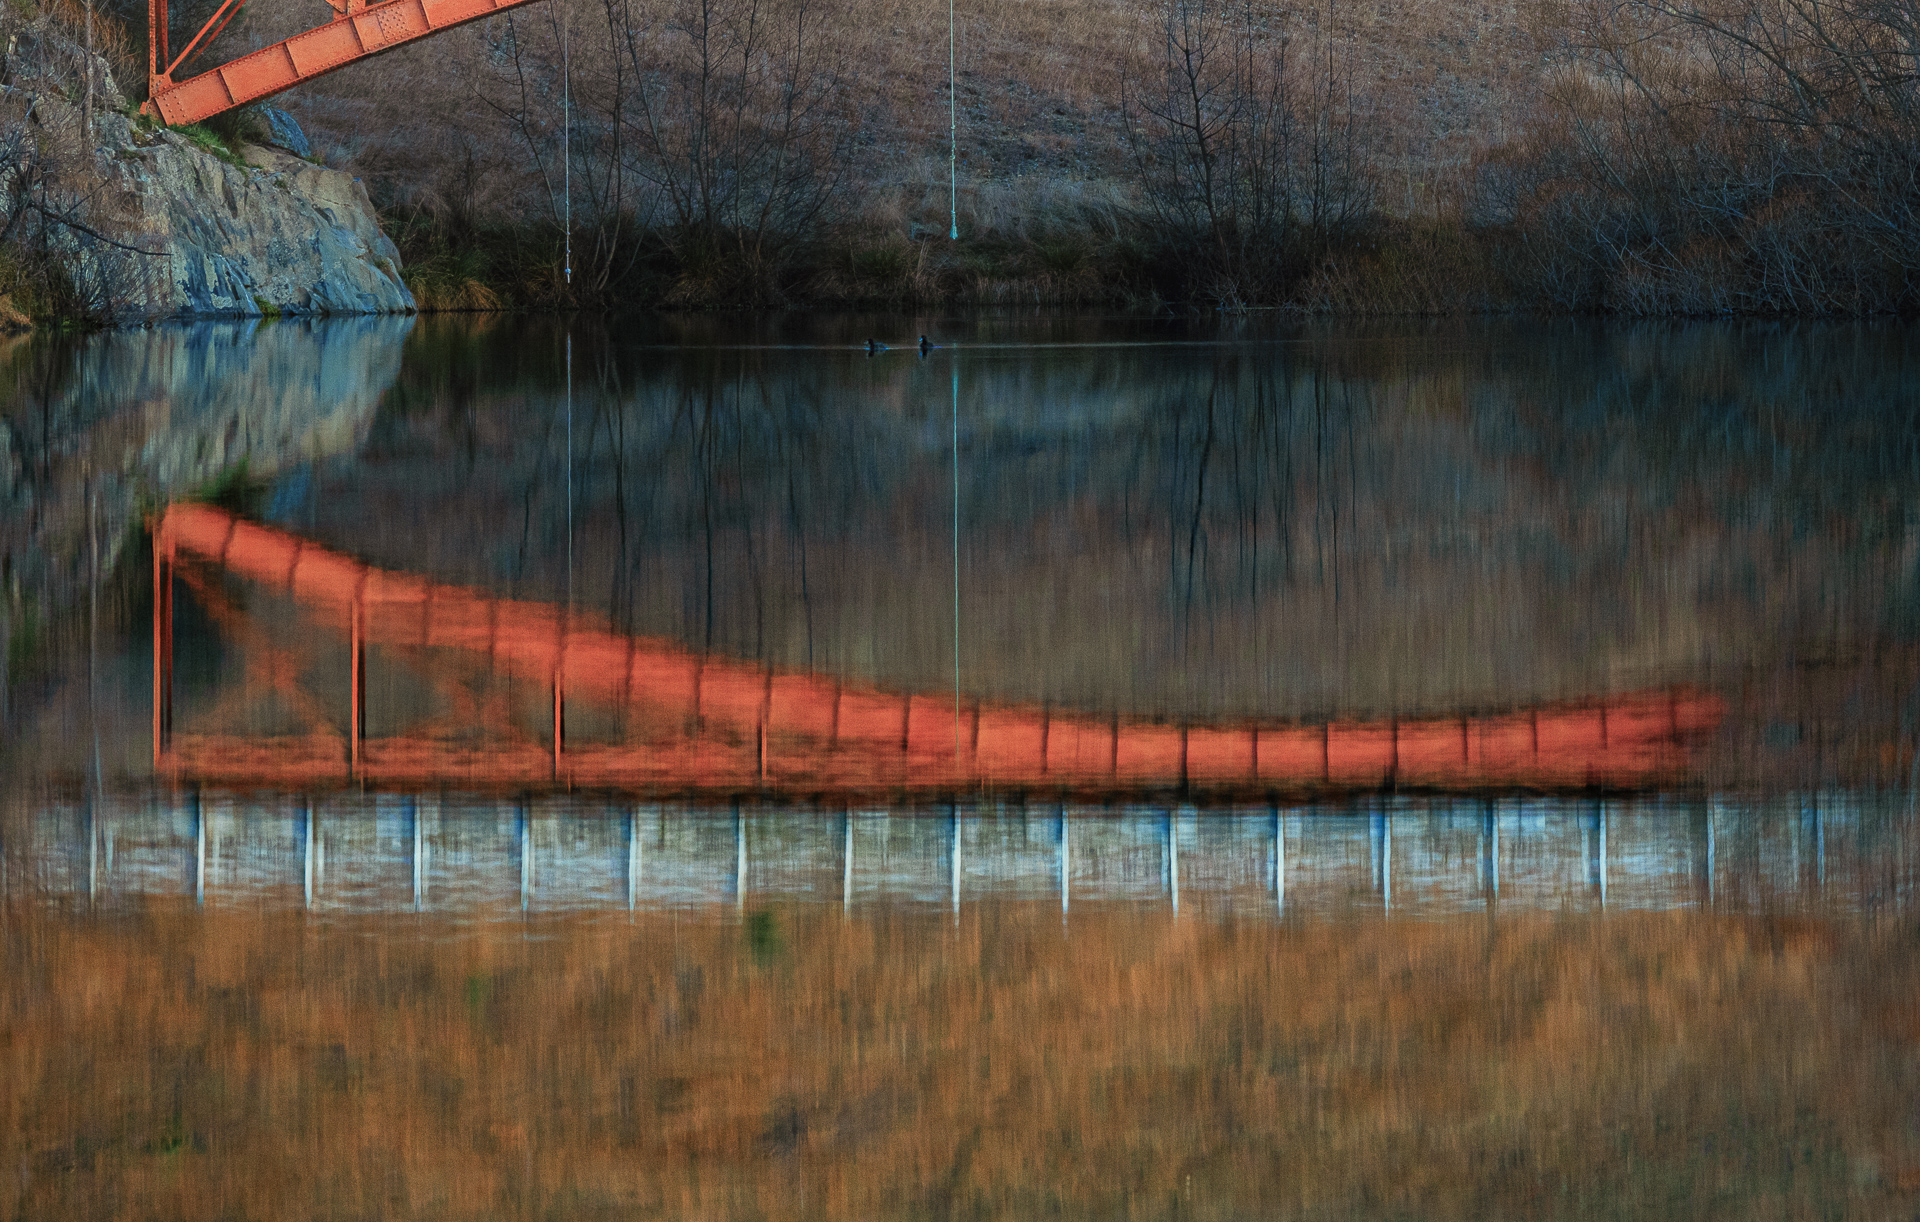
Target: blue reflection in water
{"x": 480, "y": 858}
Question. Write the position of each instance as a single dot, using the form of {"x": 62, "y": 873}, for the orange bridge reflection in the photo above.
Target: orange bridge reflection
{"x": 700, "y": 724}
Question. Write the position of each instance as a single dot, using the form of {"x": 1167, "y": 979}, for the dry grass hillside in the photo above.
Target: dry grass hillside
{"x": 171, "y": 1063}
{"x": 1705, "y": 157}
{"x": 1040, "y": 87}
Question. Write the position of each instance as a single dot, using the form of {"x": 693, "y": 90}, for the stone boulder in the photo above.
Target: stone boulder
{"x": 286, "y": 132}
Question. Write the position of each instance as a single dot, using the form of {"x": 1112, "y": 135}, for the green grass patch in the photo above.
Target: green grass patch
{"x": 763, "y": 937}
{"x": 211, "y": 142}
{"x": 233, "y": 489}
{"x": 23, "y": 643}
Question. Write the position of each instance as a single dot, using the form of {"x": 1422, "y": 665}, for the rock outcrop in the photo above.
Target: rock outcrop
{"x": 280, "y": 236}
{"x": 153, "y": 223}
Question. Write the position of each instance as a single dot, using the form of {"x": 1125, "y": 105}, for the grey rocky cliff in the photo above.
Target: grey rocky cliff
{"x": 283, "y": 235}
{"x": 153, "y": 226}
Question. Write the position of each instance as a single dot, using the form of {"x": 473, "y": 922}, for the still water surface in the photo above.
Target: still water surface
{"x": 346, "y": 998}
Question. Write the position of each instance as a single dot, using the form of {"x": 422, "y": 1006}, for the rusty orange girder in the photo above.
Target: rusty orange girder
{"x": 358, "y": 30}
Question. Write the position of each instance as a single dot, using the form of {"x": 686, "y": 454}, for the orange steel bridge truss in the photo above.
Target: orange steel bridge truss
{"x": 357, "y": 31}
{"x": 710, "y": 726}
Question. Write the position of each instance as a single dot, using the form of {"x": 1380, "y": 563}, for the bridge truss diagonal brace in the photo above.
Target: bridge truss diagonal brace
{"x": 352, "y": 36}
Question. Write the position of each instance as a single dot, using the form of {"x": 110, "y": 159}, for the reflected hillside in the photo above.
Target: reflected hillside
{"x": 1288, "y": 525}
{"x": 793, "y": 1064}
{"x": 1156, "y": 520}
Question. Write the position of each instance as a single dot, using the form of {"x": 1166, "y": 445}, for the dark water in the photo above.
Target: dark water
{"x": 1153, "y": 519}
{"x": 1692, "y": 996}
{"x": 1254, "y": 522}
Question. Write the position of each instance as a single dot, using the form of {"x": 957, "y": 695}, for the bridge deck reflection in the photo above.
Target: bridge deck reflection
{"x": 694, "y": 724}
{"x": 381, "y": 853}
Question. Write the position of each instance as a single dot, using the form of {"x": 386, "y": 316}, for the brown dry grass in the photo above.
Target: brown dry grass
{"x": 1039, "y": 91}
{"x": 170, "y": 1063}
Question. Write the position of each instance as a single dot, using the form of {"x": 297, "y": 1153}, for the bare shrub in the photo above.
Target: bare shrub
{"x": 1249, "y": 159}
{"x": 695, "y": 143}
{"x": 1409, "y": 267}
{"x": 724, "y": 117}
{"x": 1712, "y": 156}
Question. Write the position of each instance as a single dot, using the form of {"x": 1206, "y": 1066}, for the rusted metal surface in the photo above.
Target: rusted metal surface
{"x": 356, "y": 32}
{"x": 712, "y": 725}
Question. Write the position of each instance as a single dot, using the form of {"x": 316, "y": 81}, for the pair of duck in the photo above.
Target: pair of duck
{"x": 875, "y": 347}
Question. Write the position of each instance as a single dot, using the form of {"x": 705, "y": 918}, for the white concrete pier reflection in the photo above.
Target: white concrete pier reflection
{"x": 1414, "y": 858}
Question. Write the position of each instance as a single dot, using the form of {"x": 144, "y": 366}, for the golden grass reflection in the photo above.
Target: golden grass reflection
{"x": 789, "y": 1063}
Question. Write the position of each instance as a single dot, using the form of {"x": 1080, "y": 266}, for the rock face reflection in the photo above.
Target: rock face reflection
{"x": 277, "y": 395}
{"x": 185, "y": 402}
{"x": 97, "y": 428}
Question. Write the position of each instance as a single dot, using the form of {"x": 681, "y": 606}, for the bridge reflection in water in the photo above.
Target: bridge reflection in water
{"x": 1402, "y": 857}
{"x": 673, "y": 721}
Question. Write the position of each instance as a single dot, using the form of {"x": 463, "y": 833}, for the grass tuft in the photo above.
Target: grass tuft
{"x": 235, "y": 489}
{"x": 213, "y": 143}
